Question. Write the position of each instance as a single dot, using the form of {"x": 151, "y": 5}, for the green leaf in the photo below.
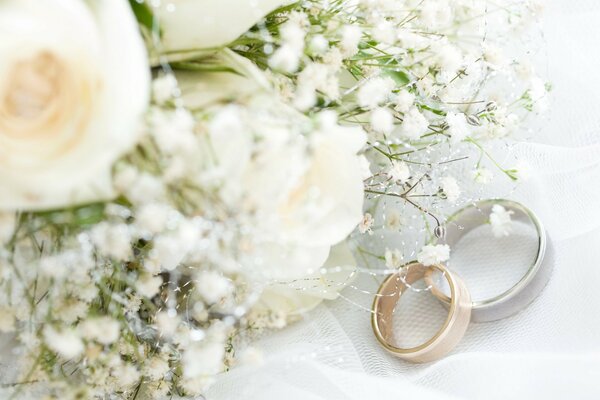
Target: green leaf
{"x": 143, "y": 13}
{"x": 400, "y": 77}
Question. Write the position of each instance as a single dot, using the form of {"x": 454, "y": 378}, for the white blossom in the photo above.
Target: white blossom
{"x": 103, "y": 330}
{"x": 318, "y": 44}
{"x": 156, "y": 368}
{"x": 213, "y": 286}
{"x": 148, "y": 285}
{"x": 65, "y": 342}
{"x": 285, "y": 59}
{"x": 414, "y": 124}
{"x": 436, "y": 14}
{"x": 374, "y": 92}
{"x": 152, "y": 217}
{"x": 71, "y": 103}
{"x": 145, "y": 188}
{"x": 433, "y": 254}
{"x": 382, "y": 120}
{"x": 125, "y": 375}
{"x": 500, "y": 219}
{"x": 351, "y": 35}
{"x": 450, "y": 188}
{"x": 173, "y": 130}
{"x": 399, "y": 172}
{"x": 458, "y": 127}
{"x": 112, "y": 240}
{"x": 292, "y": 34}
{"x": 366, "y": 224}
{"x": 167, "y": 322}
{"x": 449, "y": 59}
{"x": 384, "y": 32}
{"x": 404, "y": 101}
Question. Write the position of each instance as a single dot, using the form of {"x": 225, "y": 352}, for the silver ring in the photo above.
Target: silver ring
{"x": 531, "y": 284}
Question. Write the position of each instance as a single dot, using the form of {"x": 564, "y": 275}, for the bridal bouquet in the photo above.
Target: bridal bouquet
{"x": 178, "y": 176}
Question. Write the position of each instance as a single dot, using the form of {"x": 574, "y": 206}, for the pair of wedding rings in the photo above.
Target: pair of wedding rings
{"x": 461, "y": 309}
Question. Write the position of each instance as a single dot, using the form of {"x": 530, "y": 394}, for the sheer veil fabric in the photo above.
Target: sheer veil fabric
{"x": 551, "y": 349}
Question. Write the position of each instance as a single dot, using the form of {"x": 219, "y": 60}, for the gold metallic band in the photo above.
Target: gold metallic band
{"x": 459, "y": 314}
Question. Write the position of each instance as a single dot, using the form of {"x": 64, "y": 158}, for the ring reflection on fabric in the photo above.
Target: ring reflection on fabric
{"x": 387, "y": 299}
{"x": 528, "y": 287}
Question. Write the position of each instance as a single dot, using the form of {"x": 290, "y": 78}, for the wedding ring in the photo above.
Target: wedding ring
{"x": 525, "y": 290}
{"x": 446, "y": 338}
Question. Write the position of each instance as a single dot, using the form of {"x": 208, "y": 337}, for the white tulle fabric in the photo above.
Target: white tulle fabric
{"x": 550, "y": 350}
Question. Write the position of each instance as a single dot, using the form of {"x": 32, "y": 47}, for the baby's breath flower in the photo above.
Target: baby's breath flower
{"x": 500, "y": 219}
{"x": 351, "y": 35}
{"x": 125, "y": 375}
{"x": 399, "y": 172}
{"x": 65, "y": 342}
{"x": 433, "y": 254}
{"x": 414, "y": 124}
{"x": 374, "y": 92}
{"x": 382, "y": 120}
{"x": 458, "y": 127}
{"x": 112, "y": 240}
{"x": 366, "y": 224}
{"x": 103, "y": 330}
{"x": 148, "y": 285}
{"x": 156, "y": 368}
{"x": 166, "y": 323}
{"x": 213, "y": 286}
{"x": 404, "y": 100}
{"x": 285, "y": 59}
{"x": 450, "y": 188}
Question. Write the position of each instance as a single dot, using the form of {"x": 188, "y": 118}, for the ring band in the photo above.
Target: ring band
{"x": 531, "y": 284}
{"x": 446, "y": 338}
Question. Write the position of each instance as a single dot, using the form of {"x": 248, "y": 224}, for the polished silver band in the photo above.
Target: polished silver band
{"x": 531, "y": 284}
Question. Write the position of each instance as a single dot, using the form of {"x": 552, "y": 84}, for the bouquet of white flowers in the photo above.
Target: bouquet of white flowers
{"x": 176, "y": 176}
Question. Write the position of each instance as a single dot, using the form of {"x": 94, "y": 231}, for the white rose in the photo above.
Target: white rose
{"x": 202, "y": 24}
{"x": 305, "y": 190}
{"x": 308, "y": 193}
{"x": 74, "y": 81}
{"x": 293, "y": 298}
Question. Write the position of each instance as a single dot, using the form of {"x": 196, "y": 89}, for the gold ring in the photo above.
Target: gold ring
{"x": 454, "y": 328}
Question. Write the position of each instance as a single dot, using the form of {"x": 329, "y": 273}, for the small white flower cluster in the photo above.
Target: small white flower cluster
{"x": 406, "y": 72}
{"x": 501, "y": 221}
